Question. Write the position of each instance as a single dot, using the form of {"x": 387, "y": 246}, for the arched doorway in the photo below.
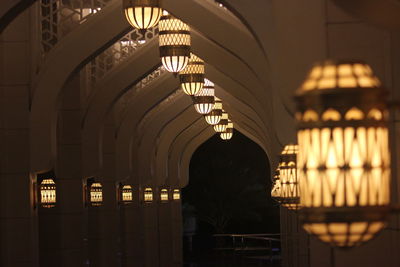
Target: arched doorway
{"x": 228, "y": 212}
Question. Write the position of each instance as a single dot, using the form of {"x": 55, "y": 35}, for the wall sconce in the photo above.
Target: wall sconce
{"x": 96, "y": 194}
{"x": 47, "y": 191}
{"x": 174, "y": 41}
{"x": 223, "y": 123}
{"x": 142, "y": 14}
{"x": 344, "y": 158}
{"x": 276, "y": 187}
{"x": 192, "y": 77}
{"x": 127, "y": 194}
{"x": 228, "y": 133}
{"x": 164, "y": 196}
{"x": 289, "y": 185}
{"x": 215, "y": 114}
{"x": 176, "y": 194}
{"x": 148, "y": 195}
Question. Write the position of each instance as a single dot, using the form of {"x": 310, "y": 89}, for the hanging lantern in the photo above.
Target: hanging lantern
{"x": 148, "y": 195}
{"x": 289, "y": 185}
{"x": 174, "y": 41}
{"x": 223, "y": 123}
{"x": 142, "y": 14}
{"x": 344, "y": 157}
{"x": 96, "y": 194}
{"x": 215, "y": 115}
{"x": 164, "y": 197}
{"x": 276, "y": 187}
{"x": 192, "y": 77}
{"x": 127, "y": 194}
{"x": 176, "y": 194}
{"x": 47, "y": 193}
{"x": 228, "y": 133}
{"x": 204, "y": 100}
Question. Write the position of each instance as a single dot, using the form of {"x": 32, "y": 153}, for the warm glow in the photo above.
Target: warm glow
{"x": 344, "y": 159}
{"x": 96, "y": 194}
{"x": 192, "y": 77}
{"x": 174, "y": 42}
{"x": 215, "y": 115}
{"x": 127, "y": 194}
{"x": 288, "y": 180}
{"x": 48, "y": 193}
{"x": 176, "y": 194}
{"x": 223, "y": 123}
{"x": 228, "y": 133}
{"x": 148, "y": 195}
{"x": 340, "y": 75}
{"x": 143, "y": 17}
{"x": 276, "y": 187}
{"x": 164, "y": 197}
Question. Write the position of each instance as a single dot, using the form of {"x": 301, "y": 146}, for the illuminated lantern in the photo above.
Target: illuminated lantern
{"x": 47, "y": 193}
{"x": 228, "y": 133}
{"x": 174, "y": 41}
{"x": 222, "y": 124}
{"x": 192, "y": 77}
{"x": 148, "y": 195}
{"x": 276, "y": 187}
{"x": 176, "y": 194}
{"x": 204, "y": 100}
{"x": 164, "y": 197}
{"x": 289, "y": 185}
{"x": 96, "y": 194}
{"x": 142, "y": 14}
{"x": 127, "y": 194}
{"x": 344, "y": 158}
{"x": 215, "y": 115}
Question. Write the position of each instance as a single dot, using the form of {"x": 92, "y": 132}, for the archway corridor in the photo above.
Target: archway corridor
{"x": 228, "y": 214}
{"x": 98, "y": 140}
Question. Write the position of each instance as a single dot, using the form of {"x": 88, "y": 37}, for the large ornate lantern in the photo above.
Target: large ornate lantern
{"x": 344, "y": 158}
{"x": 148, "y": 195}
{"x": 215, "y": 114}
{"x": 164, "y": 196}
{"x": 127, "y": 194}
{"x": 228, "y": 133}
{"x": 289, "y": 185}
{"x": 204, "y": 100}
{"x": 47, "y": 193}
{"x": 222, "y": 124}
{"x": 276, "y": 187}
{"x": 142, "y": 14}
{"x": 96, "y": 194}
{"x": 192, "y": 77}
{"x": 176, "y": 195}
{"x": 174, "y": 40}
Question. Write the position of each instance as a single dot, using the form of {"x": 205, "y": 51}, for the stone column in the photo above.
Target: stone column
{"x": 18, "y": 220}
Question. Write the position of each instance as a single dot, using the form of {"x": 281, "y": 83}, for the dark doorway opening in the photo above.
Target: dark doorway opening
{"x": 227, "y": 207}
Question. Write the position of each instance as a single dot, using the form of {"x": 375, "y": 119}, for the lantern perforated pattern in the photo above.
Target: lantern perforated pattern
{"x": 344, "y": 157}
{"x": 48, "y": 193}
{"x": 164, "y": 195}
{"x": 127, "y": 194}
{"x": 215, "y": 114}
{"x": 176, "y": 194}
{"x": 192, "y": 77}
{"x": 174, "y": 41}
{"x": 289, "y": 196}
{"x": 228, "y": 133}
{"x": 148, "y": 195}
{"x": 276, "y": 187}
{"x": 223, "y": 123}
{"x": 204, "y": 100}
{"x": 142, "y": 14}
{"x": 96, "y": 194}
